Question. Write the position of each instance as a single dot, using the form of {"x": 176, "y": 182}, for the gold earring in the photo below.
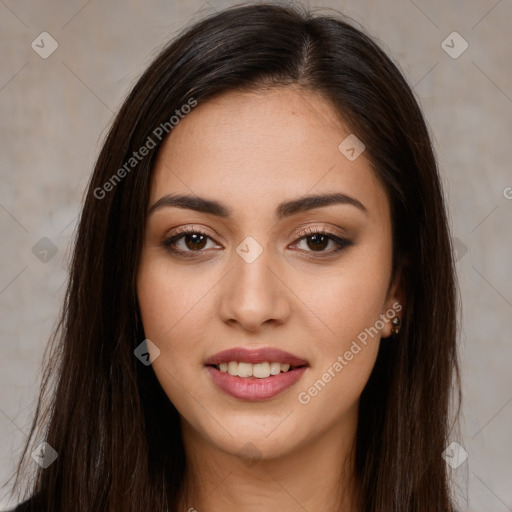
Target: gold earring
{"x": 396, "y": 326}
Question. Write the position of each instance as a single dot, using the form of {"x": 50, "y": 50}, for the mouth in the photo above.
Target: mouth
{"x": 257, "y": 374}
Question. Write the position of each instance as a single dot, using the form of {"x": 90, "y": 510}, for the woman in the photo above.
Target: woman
{"x": 261, "y": 311}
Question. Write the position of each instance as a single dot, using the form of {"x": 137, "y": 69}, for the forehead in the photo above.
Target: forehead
{"x": 255, "y": 149}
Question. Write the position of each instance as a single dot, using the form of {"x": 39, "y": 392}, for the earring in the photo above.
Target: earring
{"x": 396, "y": 326}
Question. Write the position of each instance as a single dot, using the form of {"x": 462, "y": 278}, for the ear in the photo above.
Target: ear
{"x": 394, "y": 305}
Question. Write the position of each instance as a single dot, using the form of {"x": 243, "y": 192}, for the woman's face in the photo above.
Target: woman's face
{"x": 252, "y": 274}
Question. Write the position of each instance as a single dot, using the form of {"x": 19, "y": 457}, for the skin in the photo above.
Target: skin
{"x": 251, "y": 151}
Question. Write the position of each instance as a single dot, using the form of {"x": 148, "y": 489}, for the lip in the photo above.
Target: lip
{"x": 254, "y": 356}
{"x": 252, "y": 388}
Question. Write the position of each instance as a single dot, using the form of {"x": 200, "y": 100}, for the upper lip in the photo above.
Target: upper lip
{"x": 255, "y": 355}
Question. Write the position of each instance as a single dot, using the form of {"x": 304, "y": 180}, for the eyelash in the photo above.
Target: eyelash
{"x": 170, "y": 242}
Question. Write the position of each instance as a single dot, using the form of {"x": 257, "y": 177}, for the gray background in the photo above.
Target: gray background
{"x": 55, "y": 113}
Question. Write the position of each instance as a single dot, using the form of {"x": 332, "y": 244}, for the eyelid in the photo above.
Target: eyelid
{"x": 313, "y": 230}
{"x": 189, "y": 228}
{"x": 308, "y": 230}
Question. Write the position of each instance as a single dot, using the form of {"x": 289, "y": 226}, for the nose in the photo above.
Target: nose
{"x": 254, "y": 294}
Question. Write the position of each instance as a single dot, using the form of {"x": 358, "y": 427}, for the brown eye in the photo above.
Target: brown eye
{"x": 187, "y": 242}
{"x": 195, "y": 241}
{"x": 318, "y": 242}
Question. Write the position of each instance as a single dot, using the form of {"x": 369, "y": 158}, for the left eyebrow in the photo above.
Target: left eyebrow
{"x": 283, "y": 210}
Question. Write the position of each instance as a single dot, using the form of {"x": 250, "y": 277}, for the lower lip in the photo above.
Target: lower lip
{"x": 252, "y": 388}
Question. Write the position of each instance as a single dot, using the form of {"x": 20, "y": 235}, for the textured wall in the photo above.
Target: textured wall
{"x": 55, "y": 112}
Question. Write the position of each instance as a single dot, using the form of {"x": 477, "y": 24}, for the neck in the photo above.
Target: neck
{"x": 316, "y": 476}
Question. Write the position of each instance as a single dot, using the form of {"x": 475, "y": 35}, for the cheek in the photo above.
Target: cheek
{"x": 177, "y": 314}
{"x": 173, "y": 307}
{"x": 350, "y": 299}
{"x": 173, "y": 304}
{"x": 345, "y": 357}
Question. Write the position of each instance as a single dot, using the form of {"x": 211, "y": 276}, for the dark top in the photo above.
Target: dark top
{"x": 27, "y": 506}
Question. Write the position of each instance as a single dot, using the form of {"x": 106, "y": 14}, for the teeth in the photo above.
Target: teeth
{"x": 275, "y": 368}
{"x": 244, "y": 369}
{"x": 259, "y": 370}
{"x": 233, "y": 368}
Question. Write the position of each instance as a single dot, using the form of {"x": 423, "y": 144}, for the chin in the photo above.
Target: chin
{"x": 264, "y": 438}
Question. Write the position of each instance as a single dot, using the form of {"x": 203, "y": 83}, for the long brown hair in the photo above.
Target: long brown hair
{"x": 116, "y": 433}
